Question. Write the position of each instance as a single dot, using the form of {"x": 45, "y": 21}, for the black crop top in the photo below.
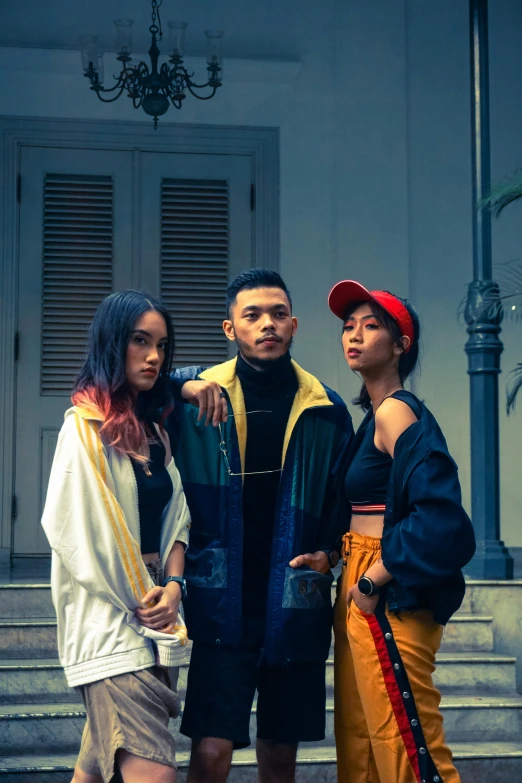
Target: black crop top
{"x": 366, "y": 480}
{"x": 154, "y": 493}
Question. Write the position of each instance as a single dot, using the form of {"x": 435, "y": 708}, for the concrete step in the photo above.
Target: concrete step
{"x": 468, "y": 633}
{"x": 37, "y": 681}
{"x": 492, "y": 762}
{"x": 482, "y": 718}
{"x": 463, "y": 672}
{"x": 38, "y": 727}
{"x": 466, "y": 606}
{"x": 35, "y": 728}
{"x": 26, "y": 610}
{"x": 34, "y": 681}
{"x": 42, "y": 681}
{"x": 25, "y": 601}
{"x": 35, "y": 638}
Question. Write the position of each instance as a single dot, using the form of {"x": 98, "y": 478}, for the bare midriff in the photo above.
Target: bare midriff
{"x": 152, "y": 557}
{"x": 367, "y": 524}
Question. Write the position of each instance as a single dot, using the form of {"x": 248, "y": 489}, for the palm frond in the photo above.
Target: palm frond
{"x": 513, "y": 387}
{"x": 509, "y": 278}
{"x": 491, "y": 307}
{"x": 503, "y": 196}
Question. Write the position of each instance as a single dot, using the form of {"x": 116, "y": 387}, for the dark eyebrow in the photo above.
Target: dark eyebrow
{"x": 148, "y": 334}
{"x": 258, "y": 309}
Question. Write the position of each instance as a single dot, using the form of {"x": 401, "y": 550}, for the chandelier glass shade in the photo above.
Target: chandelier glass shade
{"x": 153, "y": 87}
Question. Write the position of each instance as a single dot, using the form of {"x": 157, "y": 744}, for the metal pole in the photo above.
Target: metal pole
{"x": 483, "y": 316}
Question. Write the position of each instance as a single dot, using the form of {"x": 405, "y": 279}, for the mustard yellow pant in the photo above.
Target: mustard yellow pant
{"x": 388, "y": 726}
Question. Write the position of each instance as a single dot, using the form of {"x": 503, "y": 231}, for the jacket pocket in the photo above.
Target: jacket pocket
{"x": 306, "y": 589}
{"x": 206, "y": 567}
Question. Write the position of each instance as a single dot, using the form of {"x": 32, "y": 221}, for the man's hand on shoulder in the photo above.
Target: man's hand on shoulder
{"x": 392, "y": 418}
{"x": 209, "y": 397}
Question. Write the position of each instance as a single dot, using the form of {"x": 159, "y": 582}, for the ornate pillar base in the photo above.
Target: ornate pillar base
{"x": 492, "y": 561}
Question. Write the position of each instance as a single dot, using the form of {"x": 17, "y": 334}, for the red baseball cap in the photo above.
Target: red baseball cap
{"x": 348, "y": 291}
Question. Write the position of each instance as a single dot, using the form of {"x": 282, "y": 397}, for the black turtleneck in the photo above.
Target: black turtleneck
{"x": 271, "y": 389}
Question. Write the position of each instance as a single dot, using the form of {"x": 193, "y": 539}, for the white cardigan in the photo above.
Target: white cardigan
{"x": 98, "y": 575}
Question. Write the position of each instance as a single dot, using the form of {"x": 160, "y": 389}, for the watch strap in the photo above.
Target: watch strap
{"x": 180, "y": 580}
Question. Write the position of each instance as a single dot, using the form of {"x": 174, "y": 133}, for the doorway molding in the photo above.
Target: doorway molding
{"x": 260, "y": 144}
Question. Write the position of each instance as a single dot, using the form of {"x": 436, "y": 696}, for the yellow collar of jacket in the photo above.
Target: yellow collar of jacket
{"x": 310, "y": 394}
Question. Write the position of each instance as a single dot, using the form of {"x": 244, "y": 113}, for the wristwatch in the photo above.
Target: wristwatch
{"x": 367, "y": 586}
{"x": 181, "y": 582}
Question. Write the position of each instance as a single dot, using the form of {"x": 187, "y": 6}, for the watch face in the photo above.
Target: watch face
{"x": 365, "y": 586}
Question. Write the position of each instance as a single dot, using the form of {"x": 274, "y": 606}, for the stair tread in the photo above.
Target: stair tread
{"x": 24, "y": 585}
{"x": 28, "y": 623}
{"x": 30, "y": 710}
{"x": 442, "y": 657}
{"x": 38, "y": 663}
{"x": 463, "y": 750}
{"x": 471, "y": 700}
{"x": 481, "y": 700}
{"x": 310, "y": 754}
{"x": 474, "y": 657}
{"x": 471, "y": 618}
{"x": 29, "y": 663}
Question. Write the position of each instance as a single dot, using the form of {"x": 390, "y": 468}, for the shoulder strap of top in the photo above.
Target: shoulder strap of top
{"x": 410, "y": 399}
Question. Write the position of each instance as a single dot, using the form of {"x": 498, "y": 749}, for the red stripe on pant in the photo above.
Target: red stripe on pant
{"x": 394, "y": 693}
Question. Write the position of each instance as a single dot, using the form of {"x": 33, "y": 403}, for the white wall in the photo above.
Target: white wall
{"x": 506, "y": 155}
{"x": 375, "y": 173}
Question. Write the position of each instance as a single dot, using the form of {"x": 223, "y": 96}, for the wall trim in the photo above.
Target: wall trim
{"x": 261, "y": 144}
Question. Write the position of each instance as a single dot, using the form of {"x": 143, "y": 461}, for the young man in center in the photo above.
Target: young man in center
{"x": 261, "y": 489}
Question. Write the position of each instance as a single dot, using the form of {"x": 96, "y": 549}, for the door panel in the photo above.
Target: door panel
{"x": 196, "y": 236}
{"x": 74, "y": 248}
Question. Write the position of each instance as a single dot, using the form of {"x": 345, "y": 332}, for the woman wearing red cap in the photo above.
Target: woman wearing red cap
{"x": 408, "y": 540}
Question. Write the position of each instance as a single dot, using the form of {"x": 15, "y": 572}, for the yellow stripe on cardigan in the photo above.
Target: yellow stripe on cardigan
{"x": 131, "y": 543}
{"x": 181, "y": 633}
{"x": 85, "y": 438}
{"x": 132, "y": 546}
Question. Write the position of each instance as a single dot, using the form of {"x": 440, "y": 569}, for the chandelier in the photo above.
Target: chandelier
{"x": 149, "y": 87}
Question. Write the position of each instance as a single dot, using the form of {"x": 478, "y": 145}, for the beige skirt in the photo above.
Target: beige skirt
{"x": 130, "y": 712}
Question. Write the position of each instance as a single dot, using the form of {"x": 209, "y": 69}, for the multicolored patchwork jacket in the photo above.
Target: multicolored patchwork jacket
{"x": 299, "y": 611}
{"x": 98, "y": 576}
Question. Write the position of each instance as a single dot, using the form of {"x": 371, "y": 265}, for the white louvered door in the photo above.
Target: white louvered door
{"x": 80, "y": 211}
{"x": 196, "y": 236}
{"x": 75, "y": 247}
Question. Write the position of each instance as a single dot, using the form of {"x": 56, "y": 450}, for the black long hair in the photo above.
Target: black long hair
{"x": 101, "y": 382}
{"x": 408, "y": 360}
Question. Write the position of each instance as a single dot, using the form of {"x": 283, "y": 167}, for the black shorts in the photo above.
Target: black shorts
{"x": 222, "y": 681}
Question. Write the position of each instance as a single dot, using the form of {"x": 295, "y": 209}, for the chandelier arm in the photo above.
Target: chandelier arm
{"x": 177, "y": 104}
{"x": 120, "y": 84}
{"x": 190, "y": 83}
{"x": 200, "y": 86}
{"x": 136, "y": 102}
{"x": 176, "y": 80}
{"x": 109, "y": 100}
